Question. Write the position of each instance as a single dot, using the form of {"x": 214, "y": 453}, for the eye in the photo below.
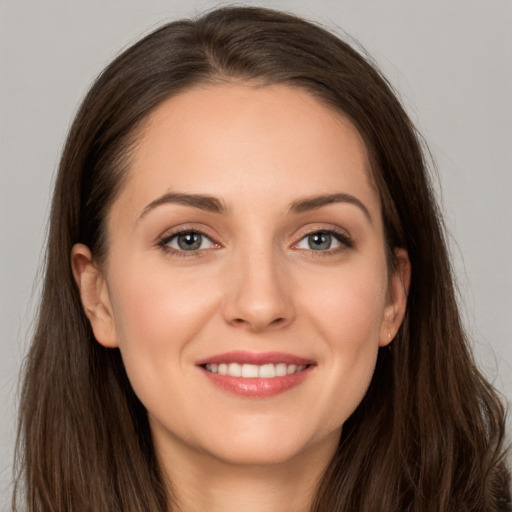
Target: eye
{"x": 323, "y": 241}
{"x": 188, "y": 241}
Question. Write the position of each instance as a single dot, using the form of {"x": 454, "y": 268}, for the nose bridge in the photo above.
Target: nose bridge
{"x": 258, "y": 295}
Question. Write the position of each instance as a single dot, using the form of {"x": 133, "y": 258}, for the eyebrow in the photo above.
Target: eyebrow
{"x": 203, "y": 202}
{"x": 316, "y": 202}
{"x": 212, "y": 204}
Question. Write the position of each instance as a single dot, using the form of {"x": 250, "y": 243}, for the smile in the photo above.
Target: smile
{"x": 256, "y": 375}
{"x": 251, "y": 371}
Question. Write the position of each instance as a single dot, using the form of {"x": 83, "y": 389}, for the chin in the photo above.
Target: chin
{"x": 271, "y": 446}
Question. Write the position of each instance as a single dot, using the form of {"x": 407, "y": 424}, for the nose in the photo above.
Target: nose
{"x": 258, "y": 295}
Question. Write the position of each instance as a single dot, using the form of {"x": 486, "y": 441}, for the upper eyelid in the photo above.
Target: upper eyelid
{"x": 176, "y": 231}
{"x": 321, "y": 228}
{"x": 175, "y": 234}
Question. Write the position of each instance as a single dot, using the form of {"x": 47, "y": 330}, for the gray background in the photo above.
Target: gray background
{"x": 450, "y": 60}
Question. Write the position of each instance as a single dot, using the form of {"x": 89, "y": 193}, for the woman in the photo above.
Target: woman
{"x": 248, "y": 302}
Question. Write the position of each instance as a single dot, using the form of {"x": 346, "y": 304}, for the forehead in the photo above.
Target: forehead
{"x": 277, "y": 141}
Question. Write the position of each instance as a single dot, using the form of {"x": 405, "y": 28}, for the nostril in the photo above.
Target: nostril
{"x": 257, "y": 325}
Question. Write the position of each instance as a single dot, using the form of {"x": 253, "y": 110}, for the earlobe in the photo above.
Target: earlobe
{"x": 94, "y": 295}
{"x": 398, "y": 292}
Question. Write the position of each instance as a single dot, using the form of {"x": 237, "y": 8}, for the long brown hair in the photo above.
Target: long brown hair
{"x": 428, "y": 435}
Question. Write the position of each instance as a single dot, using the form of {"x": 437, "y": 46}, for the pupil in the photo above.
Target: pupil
{"x": 189, "y": 241}
{"x": 319, "y": 241}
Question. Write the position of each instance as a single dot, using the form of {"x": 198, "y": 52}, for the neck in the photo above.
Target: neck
{"x": 202, "y": 483}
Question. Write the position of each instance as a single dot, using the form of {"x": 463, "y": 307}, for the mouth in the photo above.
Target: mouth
{"x": 254, "y": 371}
{"x": 256, "y": 375}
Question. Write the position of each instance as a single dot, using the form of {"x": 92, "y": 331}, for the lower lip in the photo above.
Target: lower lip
{"x": 257, "y": 387}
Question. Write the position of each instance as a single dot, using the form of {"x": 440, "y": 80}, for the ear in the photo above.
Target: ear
{"x": 94, "y": 295}
{"x": 398, "y": 291}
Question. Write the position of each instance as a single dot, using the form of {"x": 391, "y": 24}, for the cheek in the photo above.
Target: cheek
{"x": 150, "y": 304}
{"x": 157, "y": 314}
{"x": 346, "y": 313}
{"x": 347, "y": 306}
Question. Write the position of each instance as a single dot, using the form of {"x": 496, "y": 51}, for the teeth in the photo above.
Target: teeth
{"x": 267, "y": 371}
{"x": 281, "y": 370}
{"x": 234, "y": 370}
{"x": 251, "y": 371}
{"x": 291, "y": 368}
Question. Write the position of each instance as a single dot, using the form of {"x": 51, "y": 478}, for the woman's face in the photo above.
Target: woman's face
{"x": 246, "y": 282}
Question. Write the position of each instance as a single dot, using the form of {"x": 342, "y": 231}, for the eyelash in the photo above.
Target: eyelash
{"x": 344, "y": 239}
{"x": 166, "y": 239}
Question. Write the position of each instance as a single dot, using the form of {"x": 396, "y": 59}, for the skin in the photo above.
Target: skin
{"x": 254, "y": 285}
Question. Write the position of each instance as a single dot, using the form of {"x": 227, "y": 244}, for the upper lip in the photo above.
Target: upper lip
{"x": 257, "y": 358}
